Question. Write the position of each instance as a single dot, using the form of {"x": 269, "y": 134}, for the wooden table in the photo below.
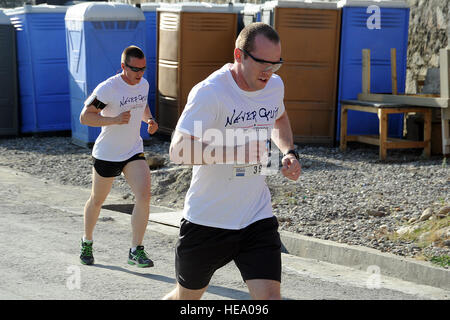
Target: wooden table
{"x": 382, "y": 140}
{"x": 442, "y": 101}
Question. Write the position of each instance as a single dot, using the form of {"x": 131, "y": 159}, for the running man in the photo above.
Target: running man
{"x": 118, "y": 105}
{"x": 228, "y": 213}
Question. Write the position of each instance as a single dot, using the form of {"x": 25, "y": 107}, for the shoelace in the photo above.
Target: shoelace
{"x": 140, "y": 253}
{"x": 86, "y": 250}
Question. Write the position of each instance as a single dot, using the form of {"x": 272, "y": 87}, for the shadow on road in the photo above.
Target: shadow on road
{"x": 217, "y": 290}
{"x": 124, "y": 208}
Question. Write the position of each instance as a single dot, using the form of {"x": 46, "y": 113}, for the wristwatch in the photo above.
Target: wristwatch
{"x": 293, "y": 152}
{"x": 149, "y": 119}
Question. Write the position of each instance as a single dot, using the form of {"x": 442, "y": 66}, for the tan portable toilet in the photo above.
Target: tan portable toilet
{"x": 194, "y": 40}
{"x": 309, "y": 33}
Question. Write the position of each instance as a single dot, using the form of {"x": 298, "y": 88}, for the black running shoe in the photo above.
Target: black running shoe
{"x": 140, "y": 258}
{"x": 86, "y": 256}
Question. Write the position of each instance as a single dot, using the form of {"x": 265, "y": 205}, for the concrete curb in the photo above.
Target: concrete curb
{"x": 362, "y": 258}
{"x": 356, "y": 257}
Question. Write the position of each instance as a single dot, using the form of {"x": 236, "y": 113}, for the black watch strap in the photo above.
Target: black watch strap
{"x": 293, "y": 152}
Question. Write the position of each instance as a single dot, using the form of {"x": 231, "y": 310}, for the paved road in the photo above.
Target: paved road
{"x": 41, "y": 225}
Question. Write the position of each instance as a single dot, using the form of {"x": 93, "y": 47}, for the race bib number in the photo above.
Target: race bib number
{"x": 246, "y": 171}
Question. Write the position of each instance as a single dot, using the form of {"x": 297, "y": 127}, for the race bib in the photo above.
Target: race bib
{"x": 245, "y": 171}
{"x": 256, "y": 169}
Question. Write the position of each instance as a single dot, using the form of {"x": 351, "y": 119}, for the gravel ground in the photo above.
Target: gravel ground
{"x": 349, "y": 197}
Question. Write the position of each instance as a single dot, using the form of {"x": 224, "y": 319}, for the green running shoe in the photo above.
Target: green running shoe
{"x": 86, "y": 256}
{"x": 139, "y": 258}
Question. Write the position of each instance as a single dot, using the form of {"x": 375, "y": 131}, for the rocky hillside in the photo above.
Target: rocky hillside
{"x": 428, "y": 33}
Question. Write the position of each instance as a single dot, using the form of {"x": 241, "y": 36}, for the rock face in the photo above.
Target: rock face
{"x": 428, "y": 33}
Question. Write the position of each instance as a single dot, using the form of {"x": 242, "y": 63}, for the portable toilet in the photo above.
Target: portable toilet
{"x": 9, "y": 121}
{"x": 235, "y": 7}
{"x": 151, "y": 33}
{"x": 309, "y": 32}
{"x": 96, "y": 34}
{"x": 194, "y": 40}
{"x": 44, "y": 99}
{"x": 251, "y": 13}
{"x": 377, "y": 26}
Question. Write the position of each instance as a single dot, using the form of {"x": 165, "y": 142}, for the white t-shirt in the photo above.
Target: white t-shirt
{"x": 220, "y": 195}
{"x": 120, "y": 142}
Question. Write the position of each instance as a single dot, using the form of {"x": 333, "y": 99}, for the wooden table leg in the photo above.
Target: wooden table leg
{"x": 427, "y": 132}
{"x": 445, "y": 125}
{"x": 344, "y": 114}
{"x": 383, "y": 120}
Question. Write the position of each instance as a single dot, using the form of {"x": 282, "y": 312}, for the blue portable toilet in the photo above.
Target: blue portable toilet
{"x": 151, "y": 44}
{"x": 96, "y": 35}
{"x": 44, "y": 102}
{"x": 377, "y": 26}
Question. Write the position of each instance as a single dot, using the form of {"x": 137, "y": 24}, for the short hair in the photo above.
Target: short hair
{"x": 246, "y": 38}
{"x": 132, "y": 51}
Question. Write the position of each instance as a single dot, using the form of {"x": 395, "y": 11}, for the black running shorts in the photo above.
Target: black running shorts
{"x": 201, "y": 250}
{"x": 108, "y": 169}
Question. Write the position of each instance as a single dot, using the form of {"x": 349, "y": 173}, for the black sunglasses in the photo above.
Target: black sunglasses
{"x": 135, "y": 69}
{"x": 274, "y": 65}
